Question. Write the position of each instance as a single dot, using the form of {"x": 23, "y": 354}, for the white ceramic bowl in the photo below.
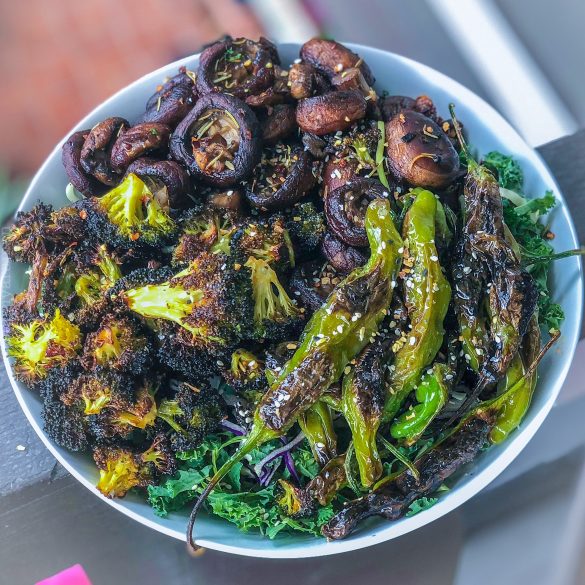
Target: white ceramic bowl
{"x": 487, "y": 130}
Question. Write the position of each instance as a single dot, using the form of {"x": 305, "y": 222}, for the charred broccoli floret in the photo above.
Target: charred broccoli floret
{"x": 276, "y": 316}
{"x": 266, "y": 240}
{"x": 122, "y": 469}
{"x": 27, "y": 234}
{"x": 209, "y": 300}
{"x": 295, "y": 502}
{"x": 246, "y": 375}
{"x": 128, "y": 217}
{"x": 119, "y": 344}
{"x": 41, "y": 345}
{"x": 208, "y": 230}
{"x": 181, "y": 357}
{"x": 66, "y": 426}
{"x": 306, "y": 226}
{"x": 191, "y": 414}
{"x": 102, "y": 389}
{"x": 120, "y": 418}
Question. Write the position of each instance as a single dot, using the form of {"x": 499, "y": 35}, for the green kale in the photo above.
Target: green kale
{"x": 239, "y": 499}
{"x": 421, "y": 505}
{"x": 510, "y": 174}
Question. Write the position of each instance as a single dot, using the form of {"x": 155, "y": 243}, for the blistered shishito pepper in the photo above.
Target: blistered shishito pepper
{"x": 427, "y": 295}
{"x": 509, "y": 407}
{"x": 432, "y": 394}
{"x": 486, "y": 260}
{"x": 334, "y": 336}
{"x": 392, "y": 498}
{"x": 363, "y": 393}
{"x": 317, "y": 424}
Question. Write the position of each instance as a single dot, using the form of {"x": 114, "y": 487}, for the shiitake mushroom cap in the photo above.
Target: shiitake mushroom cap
{"x": 167, "y": 179}
{"x": 97, "y": 148}
{"x": 345, "y": 208}
{"x": 342, "y": 257}
{"x": 172, "y": 101}
{"x": 331, "y": 58}
{"x": 139, "y": 140}
{"x": 252, "y": 61}
{"x": 330, "y": 112}
{"x": 71, "y": 158}
{"x": 419, "y": 152}
{"x": 249, "y": 145}
{"x": 292, "y": 182}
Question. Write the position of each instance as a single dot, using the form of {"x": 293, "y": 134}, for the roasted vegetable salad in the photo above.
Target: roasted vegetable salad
{"x": 282, "y": 296}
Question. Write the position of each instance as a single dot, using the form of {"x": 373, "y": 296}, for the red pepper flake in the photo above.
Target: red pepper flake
{"x": 134, "y": 236}
{"x": 83, "y": 214}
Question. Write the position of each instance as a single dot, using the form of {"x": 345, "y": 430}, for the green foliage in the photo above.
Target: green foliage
{"x": 238, "y": 498}
{"x": 421, "y": 505}
{"x": 510, "y": 174}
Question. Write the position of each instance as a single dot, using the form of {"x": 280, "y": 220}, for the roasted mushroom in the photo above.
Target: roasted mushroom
{"x": 172, "y": 100}
{"x": 166, "y": 179}
{"x": 219, "y": 141}
{"x": 353, "y": 79}
{"x": 342, "y": 257}
{"x": 71, "y": 158}
{"x": 231, "y": 200}
{"x": 283, "y": 177}
{"x": 391, "y": 105}
{"x": 333, "y": 111}
{"x": 279, "y": 122}
{"x": 331, "y": 58}
{"x": 419, "y": 152}
{"x": 97, "y": 149}
{"x": 140, "y": 140}
{"x": 237, "y": 66}
{"x": 301, "y": 80}
{"x": 312, "y": 282}
{"x": 345, "y": 209}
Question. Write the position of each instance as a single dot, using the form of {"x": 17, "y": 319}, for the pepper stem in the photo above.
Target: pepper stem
{"x": 256, "y": 437}
{"x": 459, "y": 133}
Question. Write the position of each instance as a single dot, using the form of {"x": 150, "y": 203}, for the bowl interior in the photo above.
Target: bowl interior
{"x": 487, "y": 130}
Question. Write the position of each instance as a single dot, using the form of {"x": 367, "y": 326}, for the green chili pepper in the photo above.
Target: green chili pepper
{"x": 317, "y": 425}
{"x": 363, "y": 393}
{"x": 432, "y": 394}
{"x": 427, "y": 295}
{"x": 510, "y": 406}
{"x": 335, "y": 335}
{"x": 488, "y": 262}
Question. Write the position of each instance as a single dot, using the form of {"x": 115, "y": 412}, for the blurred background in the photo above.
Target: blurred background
{"x": 58, "y": 60}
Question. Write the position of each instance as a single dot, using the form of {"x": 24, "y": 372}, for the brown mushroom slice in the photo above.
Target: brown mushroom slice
{"x": 219, "y": 141}
{"x": 337, "y": 172}
{"x": 167, "y": 180}
{"x": 342, "y": 257}
{"x": 353, "y": 79}
{"x": 71, "y": 158}
{"x": 330, "y": 112}
{"x": 283, "y": 177}
{"x": 312, "y": 282}
{"x": 232, "y": 200}
{"x": 140, "y": 140}
{"x": 419, "y": 152}
{"x": 172, "y": 101}
{"x": 301, "y": 80}
{"x": 331, "y": 58}
{"x": 97, "y": 148}
{"x": 345, "y": 209}
{"x": 278, "y": 123}
{"x": 240, "y": 67}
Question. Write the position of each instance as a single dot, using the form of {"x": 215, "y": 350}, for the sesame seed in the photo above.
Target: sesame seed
{"x": 412, "y": 340}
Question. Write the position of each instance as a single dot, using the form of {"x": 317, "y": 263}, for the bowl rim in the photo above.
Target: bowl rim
{"x": 379, "y": 533}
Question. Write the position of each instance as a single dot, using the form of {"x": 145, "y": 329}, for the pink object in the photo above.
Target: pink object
{"x": 75, "y": 575}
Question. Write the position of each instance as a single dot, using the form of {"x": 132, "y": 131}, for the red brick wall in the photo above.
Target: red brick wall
{"x": 60, "y": 58}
